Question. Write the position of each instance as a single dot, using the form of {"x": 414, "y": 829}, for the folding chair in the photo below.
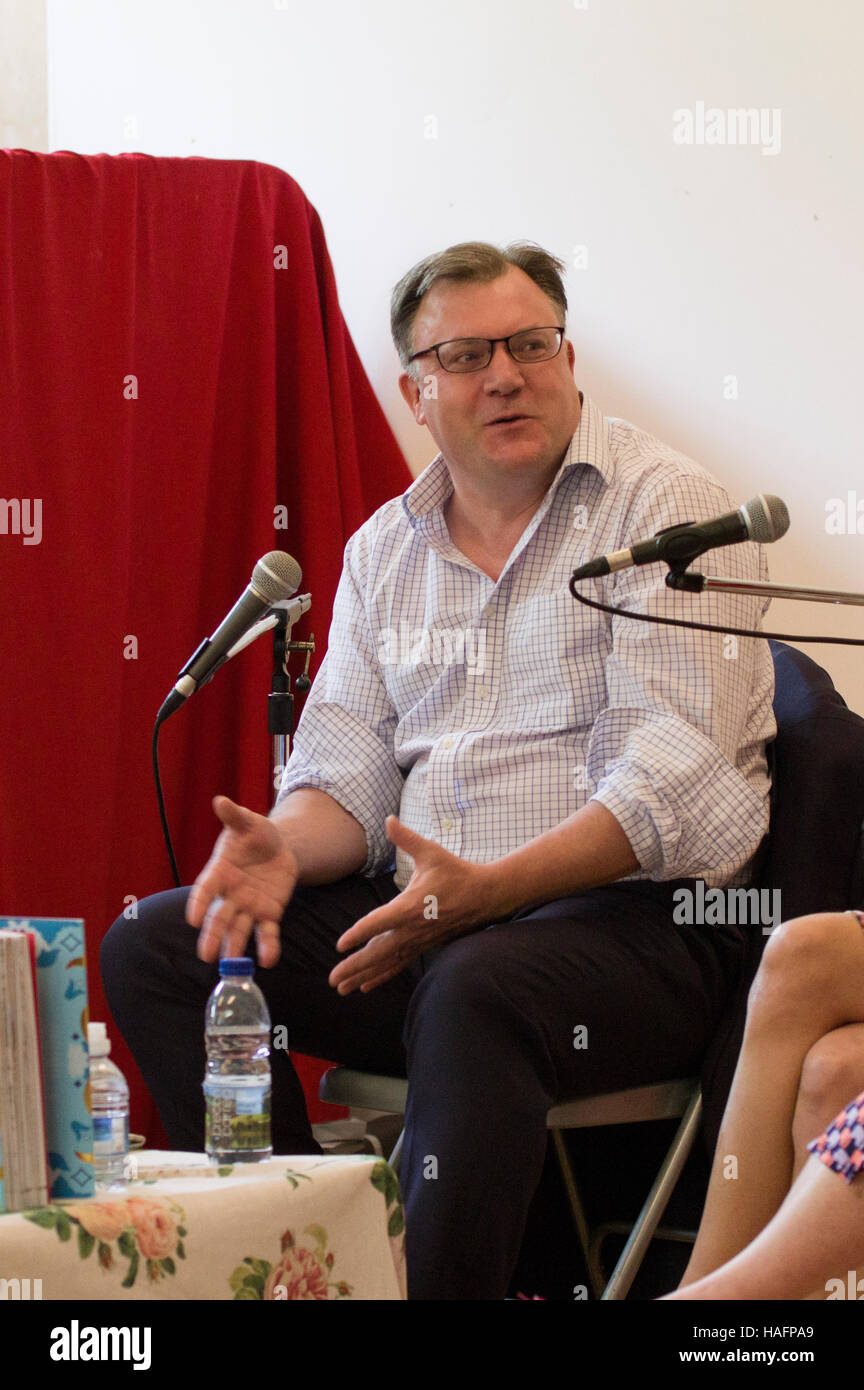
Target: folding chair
{"x": 666, "y": 1100}
{"x": 814, "y": 854}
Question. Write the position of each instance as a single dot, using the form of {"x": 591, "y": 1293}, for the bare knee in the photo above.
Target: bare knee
{"x": 803, "y": 960}
{"x": 832, "y": 1075}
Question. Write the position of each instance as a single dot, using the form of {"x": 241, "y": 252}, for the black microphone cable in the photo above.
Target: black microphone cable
{"x": 161, "y": 799}
{"x": 706, "y": 627}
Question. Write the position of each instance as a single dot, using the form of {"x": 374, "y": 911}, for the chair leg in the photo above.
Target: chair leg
{"x": 646, "y": 1223}
{"x": 623, "y": 1228}
{"x": 396, "y": 1155}
{"x": 655, "y": 1204}
{"x": 580, "y": 1220}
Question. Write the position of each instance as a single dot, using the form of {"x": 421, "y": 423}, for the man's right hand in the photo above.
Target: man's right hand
{"x": 247, "y": 882}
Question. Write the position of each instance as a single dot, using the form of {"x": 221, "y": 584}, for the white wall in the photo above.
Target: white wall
{"x": 411, "y": 126}
{"x": 23, "y": 75}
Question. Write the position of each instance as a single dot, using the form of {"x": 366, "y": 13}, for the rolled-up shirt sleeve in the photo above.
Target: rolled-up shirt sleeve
{"x": 344, "y": 740}
{"x": 677, "y": 754}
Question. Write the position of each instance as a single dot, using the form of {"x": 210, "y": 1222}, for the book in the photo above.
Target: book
{"x": 61, "y": 992}
{"x": 23, "y": 1174}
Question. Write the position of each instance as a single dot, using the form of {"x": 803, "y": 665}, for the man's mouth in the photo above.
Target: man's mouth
{"x": 507, "y": 419}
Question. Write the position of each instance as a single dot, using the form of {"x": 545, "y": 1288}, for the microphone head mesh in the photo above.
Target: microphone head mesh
{"x": 767, "y": 518}
{"x": 277, "y": 575}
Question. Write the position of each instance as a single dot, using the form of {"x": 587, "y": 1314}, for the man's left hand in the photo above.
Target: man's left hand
{"x": 444, "y": 898}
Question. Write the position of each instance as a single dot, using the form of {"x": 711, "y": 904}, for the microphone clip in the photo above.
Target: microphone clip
{"x": 679, "y": 577}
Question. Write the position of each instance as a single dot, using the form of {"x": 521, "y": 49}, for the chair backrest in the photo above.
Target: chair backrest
{"x": 815, "y": 841}
{"x": 814, "y": 853}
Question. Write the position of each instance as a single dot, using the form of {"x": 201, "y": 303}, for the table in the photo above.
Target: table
{"x": 304, "y": 1227}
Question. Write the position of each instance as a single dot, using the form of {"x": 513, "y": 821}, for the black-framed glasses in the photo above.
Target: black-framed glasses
{"x": 473, "y": 354}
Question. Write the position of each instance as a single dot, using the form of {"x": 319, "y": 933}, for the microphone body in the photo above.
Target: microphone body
{"x": 764, "y": 518}
{"x": 276, "y": 577}
{"x": 293, "y": 609}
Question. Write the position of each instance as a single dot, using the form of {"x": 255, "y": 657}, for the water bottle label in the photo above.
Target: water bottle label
{"x": 110, "y": 1135}
{"x": 237, "y": 1117}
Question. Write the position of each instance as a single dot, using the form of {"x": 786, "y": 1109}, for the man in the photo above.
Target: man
{"x": 557, "y": 774}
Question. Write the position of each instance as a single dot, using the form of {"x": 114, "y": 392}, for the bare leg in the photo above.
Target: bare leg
{"x": 833, "y": 1071}
{"x": 810, "y": 982}
{"x": 816, "y": 1236}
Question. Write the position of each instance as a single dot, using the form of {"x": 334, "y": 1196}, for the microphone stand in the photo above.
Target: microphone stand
{"x": 280, "y": 701}
{"x": 679, "y": 578}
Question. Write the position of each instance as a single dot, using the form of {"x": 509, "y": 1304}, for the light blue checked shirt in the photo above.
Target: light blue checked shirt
{"x": 484, "y": 713}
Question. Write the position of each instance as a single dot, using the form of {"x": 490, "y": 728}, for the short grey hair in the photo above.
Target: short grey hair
{"x": 470, "y": 260}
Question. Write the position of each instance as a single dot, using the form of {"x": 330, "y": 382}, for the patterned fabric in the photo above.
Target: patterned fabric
{"x": 841, "y": 1146}
{"x": 323, "y": 1228}
{"x": 485, "y": 713}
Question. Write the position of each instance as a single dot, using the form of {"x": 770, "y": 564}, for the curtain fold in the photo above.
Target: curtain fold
{"x": 174, "y": 369}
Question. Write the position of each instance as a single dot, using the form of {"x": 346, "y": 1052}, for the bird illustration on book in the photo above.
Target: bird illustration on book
{"x": 57, "y": 1164}
{"x": 83, "y": 1131}
{"x": 72, "y": 990}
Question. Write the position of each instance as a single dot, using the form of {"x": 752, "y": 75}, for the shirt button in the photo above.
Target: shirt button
{"x": 483, "y": 692}
{"x": 447, "y": 742}
{"x": 447, "y": 824}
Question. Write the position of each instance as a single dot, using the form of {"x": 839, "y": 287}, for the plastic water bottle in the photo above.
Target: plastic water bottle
{"x": 237, "y": 1079}
{"x": 109, "y": 1103}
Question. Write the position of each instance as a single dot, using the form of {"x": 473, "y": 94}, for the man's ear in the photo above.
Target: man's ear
{"x": 571, "y": 354}
{"x": 411, "y": 394}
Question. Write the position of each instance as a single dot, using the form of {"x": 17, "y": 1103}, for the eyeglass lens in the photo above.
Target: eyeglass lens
{"x": 471, "y": 354}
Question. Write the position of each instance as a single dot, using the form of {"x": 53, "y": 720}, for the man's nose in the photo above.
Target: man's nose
{"x": 503, "y": 371}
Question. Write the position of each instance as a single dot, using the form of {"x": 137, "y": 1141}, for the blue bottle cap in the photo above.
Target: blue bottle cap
{"x": 236, "y": 965}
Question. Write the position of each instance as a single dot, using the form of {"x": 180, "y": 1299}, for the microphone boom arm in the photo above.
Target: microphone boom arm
{"x": 698, "y": 583}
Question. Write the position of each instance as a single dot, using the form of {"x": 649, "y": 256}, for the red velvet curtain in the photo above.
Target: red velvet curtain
{"x": 174, "y": 368}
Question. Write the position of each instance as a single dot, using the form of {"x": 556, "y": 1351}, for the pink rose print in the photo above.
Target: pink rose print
{"x": 300, "y": 1273}
{"x": 155, "y": 1227}
{"x": 133, "y": 1229}
{"x": 103, "y": 1220}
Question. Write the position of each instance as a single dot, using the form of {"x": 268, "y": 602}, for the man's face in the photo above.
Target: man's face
{"x": 510, "y": 417}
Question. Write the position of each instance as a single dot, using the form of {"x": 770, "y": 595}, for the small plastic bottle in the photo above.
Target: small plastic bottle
{"x": 109, "y": 1099}
{"x": 237, "y": 1079}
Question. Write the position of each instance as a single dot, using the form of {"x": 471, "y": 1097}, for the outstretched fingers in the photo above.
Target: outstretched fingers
{"x": 269, "y": 942}
{"x": 383, "y": 958}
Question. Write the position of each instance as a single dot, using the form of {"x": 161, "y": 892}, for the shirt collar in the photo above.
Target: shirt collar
{"x": 589, "y": 448}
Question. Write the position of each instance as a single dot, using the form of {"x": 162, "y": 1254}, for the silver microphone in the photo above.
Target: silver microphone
{"x": 276, "y": 576}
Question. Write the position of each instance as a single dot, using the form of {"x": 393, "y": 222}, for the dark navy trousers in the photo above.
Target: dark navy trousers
{"x": 592, "y": 993}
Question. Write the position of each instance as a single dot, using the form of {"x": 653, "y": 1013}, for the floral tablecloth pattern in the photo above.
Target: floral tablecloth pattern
{"x": 305, "y": 1227}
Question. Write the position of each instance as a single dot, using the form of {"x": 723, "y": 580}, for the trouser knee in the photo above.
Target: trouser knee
{"x": 143, "y": 938}
{"x": 463, "y": 1015}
